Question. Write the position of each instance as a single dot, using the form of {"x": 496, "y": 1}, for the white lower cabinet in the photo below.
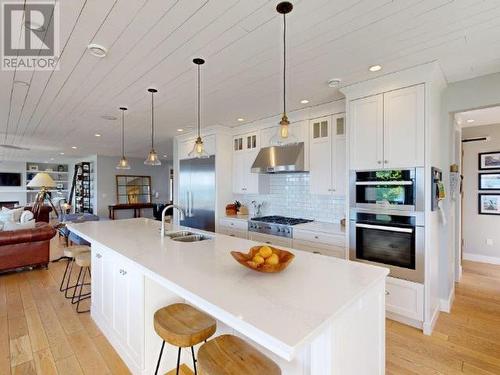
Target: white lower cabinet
{"x": 405, "y": 298}
{"x": 233, "y": 227}
{"x": 270, "y": 239}
{"x": 118, "y": 304}
{"x": 320, "y": 243}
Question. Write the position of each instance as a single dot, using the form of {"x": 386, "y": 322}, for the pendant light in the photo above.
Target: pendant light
{"x": 123, "y": 163}
{"x": 152, "y": 158}
{"x": 284, "y": 136}
{"x": 198, "y": 150}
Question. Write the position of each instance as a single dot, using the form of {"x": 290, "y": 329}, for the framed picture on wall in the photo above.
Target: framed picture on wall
{"x": 489, "y": 181}
{"x": 489, "y": 160}
{"x": 488, "y": 204}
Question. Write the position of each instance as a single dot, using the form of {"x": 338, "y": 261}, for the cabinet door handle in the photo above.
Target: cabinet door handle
{"x": 316, "y": 252}
{"x": 386, "y": 161}
{"x": 232, "y": 235}
{"x": 268, "y": 242}
{"x": 98, "y": 255}
{"x": 379, "y": 162}
{"x": 387, "y": 293}
{"x": 316, "y": 237}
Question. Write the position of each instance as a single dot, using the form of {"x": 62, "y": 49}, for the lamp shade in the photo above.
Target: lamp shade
{"x": 42, "y": 180}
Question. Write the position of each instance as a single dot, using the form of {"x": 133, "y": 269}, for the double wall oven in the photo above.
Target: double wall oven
{"x": 387, "y": 221}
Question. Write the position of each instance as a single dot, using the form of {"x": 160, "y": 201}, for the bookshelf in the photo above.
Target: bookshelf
{"x": 59, "y": 173}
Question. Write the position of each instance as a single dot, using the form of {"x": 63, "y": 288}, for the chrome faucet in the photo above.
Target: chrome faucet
{"x": 182, "y": 216}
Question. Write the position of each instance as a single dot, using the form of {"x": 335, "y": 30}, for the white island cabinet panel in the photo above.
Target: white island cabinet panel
{"x": 318, "y": 317}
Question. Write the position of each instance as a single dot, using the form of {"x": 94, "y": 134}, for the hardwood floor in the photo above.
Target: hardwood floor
{"x": 41, "y": 333}
{"x": 467, "y": 341}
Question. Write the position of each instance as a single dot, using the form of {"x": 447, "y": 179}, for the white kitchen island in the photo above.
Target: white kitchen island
{"x": 320, "y": 316}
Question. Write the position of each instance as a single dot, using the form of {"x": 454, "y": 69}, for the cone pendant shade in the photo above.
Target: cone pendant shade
{"x": 152, "y": 158}
{"x": 198, "y": 150}
{"x": 123, "y": 163}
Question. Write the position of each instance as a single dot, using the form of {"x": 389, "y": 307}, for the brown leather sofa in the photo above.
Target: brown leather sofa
{"x": 26, "y": 247}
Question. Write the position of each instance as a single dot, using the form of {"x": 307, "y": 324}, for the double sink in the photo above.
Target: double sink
{"x": 187, "y": 236}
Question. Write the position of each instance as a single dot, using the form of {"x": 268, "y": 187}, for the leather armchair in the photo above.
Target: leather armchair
{"x": 43, "y": 214}
{"x": 26, "y": 247}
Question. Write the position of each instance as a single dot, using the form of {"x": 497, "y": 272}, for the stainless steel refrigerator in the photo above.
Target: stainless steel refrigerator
{"x": 197, "y": 192}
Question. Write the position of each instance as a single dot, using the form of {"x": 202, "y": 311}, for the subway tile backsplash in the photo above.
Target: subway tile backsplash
{"x": 289, "y": 196}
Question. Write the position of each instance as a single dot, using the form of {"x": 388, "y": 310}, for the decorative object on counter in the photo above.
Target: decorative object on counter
{"x": 198, "y": 150}
{"x": 257, "y": 208}
{"x": 489, "y": 181}
{"x": 489, "y": 160}
{"x": 231, "y": 209}
{"x": 489, "y": 204}
{"x": 152, "y": 158}
{"x": 123, "y": 163}
{"x": 284, "y": 135}
{"x": 44, "y": 182}
{"x": 266, "y": 259}
{"x": 243, "y": 210}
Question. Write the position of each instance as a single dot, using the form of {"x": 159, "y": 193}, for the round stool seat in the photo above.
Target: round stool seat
{"x": 73, "y": 251}
{"x": 182, "y": 325}
{"x": 83, "y": 259}
{"x": 230, "y": 355}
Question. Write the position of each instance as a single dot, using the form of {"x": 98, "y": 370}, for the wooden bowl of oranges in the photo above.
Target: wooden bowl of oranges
{"x": 264, "y": 258}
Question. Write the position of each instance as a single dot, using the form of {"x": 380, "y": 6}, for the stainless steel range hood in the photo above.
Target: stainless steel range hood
{"x": 280, "y": 159}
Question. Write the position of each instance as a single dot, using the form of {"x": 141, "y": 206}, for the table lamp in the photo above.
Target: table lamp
{"x": 43, "y": 181}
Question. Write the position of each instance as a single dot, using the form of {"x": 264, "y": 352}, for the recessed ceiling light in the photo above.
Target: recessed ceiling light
{"x": 97, "y": 50}
{"x": 304, "y": 101}
{"x": 241, "y": 119}
{"x": 61, "y": 153}
{"x": 375, "y": 68}
{"x": 180, "y": 130}
{"x": 334, "y": 82}
{"x": 21, "y": 83}
{"x": 97, "y": 135}
{"x": 470, "y": 120}
{"x": 109, "y": 117}
{"x": 74, "y": 147}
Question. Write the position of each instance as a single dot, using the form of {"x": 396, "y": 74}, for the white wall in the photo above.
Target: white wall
{"x": 478, "y": 228}
{"x": 106, "y": 182}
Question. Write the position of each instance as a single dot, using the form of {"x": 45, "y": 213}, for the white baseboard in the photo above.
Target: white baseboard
{"x": 428, "y": 327}
{"x": 481, "y": 258}
{"x": 446, "y": 303}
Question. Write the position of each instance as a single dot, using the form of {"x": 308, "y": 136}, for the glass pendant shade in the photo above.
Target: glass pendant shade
{"x": 198, "y": 150}
{"x": 152, "y": 159}
{"x": 283, "y": 135}
{"x": 123, "y": 163}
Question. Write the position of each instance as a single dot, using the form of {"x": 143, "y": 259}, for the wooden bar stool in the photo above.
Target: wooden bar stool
{"x": 82, "y": 260}
{"x": 230, "y": 355}
{"x": 71, "y": 252}
{"x": 183, "y": 326}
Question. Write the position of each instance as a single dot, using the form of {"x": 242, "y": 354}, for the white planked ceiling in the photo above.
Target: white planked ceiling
{"x": 478, "y": 117}
{"x": 152, "y": 43}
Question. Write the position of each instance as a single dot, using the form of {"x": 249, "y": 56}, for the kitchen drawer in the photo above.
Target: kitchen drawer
{"x": 270, "y": 239}
{"x": 320, "y": 248}
{"x": 329, "y": 239}
{"x": 234, "y": 224}
{"x": 234, "y": 232}
{"x": 405, "y": 298}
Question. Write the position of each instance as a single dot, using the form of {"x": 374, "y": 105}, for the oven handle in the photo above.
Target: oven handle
{"x": 382, "y": 227}
{"x": 389, "y": 183}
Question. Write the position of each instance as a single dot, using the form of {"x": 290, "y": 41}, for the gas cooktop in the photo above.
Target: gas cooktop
{"x": 282, "y": 220}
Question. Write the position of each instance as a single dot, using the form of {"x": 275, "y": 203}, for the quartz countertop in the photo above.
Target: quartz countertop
{"x": 280, "y": 311}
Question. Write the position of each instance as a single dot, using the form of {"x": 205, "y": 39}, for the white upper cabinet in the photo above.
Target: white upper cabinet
{"x": 367, "y": 132}
{"x": 245, "y": 150}
{"x": 404, "y": 128}
{"x": 327, "y": 159}
{"x": 387, "y": 130}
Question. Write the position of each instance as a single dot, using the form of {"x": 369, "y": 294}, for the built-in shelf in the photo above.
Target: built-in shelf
{"x": 49, "y": 172}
